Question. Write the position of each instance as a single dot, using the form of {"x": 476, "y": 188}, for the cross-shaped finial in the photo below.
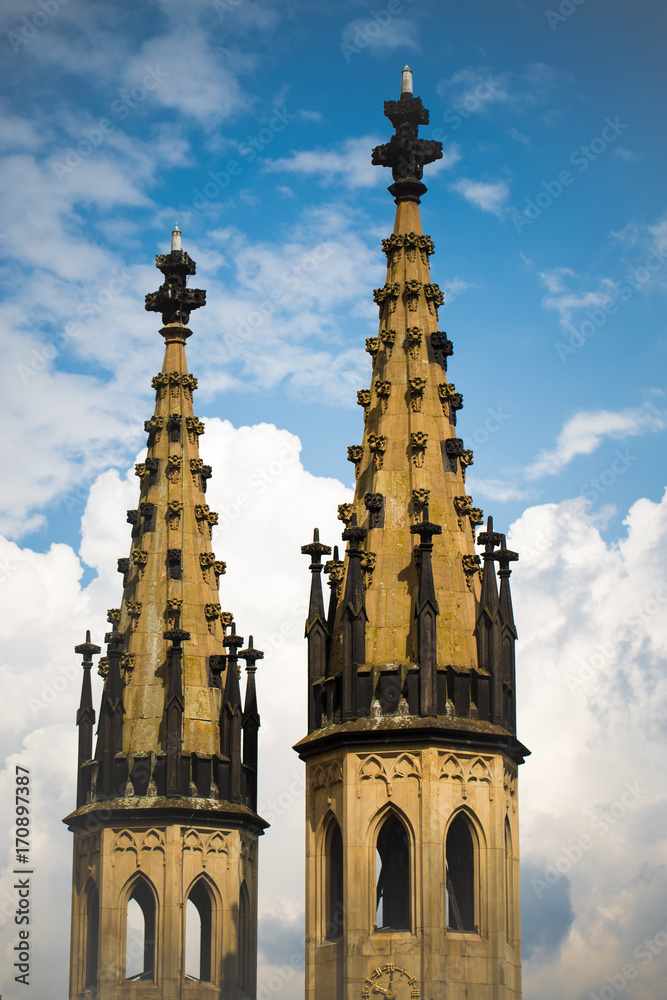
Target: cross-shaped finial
{"x": 173, "y": 299}
{"x": 489, "y": 538}
{"x": 87, "y": 649}
{"x": 251, "y": 655}
{"x": 316, "y": 549}
{"x": 405, "y": 152}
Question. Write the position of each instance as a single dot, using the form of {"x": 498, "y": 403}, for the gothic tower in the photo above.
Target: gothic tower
{"x": 164, "y": 900}
{"x": 412, "y": 871}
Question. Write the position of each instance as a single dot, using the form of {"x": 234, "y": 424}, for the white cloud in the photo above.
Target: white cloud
{"x": 351, "y": 163}
{"x": 474, "y": 89}
{"x": 566, "y": 302}
{"x": 585, "y": 431}
{"x": 592, "y": 695}
{"x": 486, "y": 195}
{"x": 380, "y": 33}
{"x": 499, "y": 489}
{"x": 626, "y": 154}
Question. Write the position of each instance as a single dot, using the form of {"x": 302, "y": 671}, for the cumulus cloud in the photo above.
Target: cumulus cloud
{"x": 489, "y": 196}
{"x": 380, "y": 33}
{"x": 585, "y": 431}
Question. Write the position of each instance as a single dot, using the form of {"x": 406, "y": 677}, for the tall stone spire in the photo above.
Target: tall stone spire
{"x": 411, "y": 753}
{"x": 411, "y": 466}
{"x": 175, "y": 765}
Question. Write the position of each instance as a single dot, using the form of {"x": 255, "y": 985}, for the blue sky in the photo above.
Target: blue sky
{"x": 250, "y": 124}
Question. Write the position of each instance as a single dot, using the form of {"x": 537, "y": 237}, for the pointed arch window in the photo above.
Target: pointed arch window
{"x": 92, "y": 935}
{"x": 245, "y": 942}
{"x": 508, "y": 882}
{"x": 334, "y": 882}
{"x": 461, "y": 894}
{"x": 198, "y": 933}
{"x": 393, "y": 876}
{"x": 140, "y": 936}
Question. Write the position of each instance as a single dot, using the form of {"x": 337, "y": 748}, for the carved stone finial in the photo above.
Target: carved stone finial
{"x": 388, "y": 338}
{"x": 173, "y": 299}
{"x": 364, "y": 398}
{"x": 413, "y": 340}
{"x": 383, "y": 389}
{"x": 471, "y": 566}
{"x": 405, "y": 152}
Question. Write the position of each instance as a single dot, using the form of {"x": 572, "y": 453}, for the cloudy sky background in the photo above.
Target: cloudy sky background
{"x": 250, "y": 124}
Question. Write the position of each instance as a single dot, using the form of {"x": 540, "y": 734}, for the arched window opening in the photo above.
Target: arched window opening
{"x": 140, "y": 939}
{"x": 198, "y": 933}
{"x": 245, "y": 942}
{"x": 460, "y": 877}
{"x": 508, "y": 881}
{"x": 393, "y": 876}
{"x": 92, "y": 934}
{"x": 334, "y": 882}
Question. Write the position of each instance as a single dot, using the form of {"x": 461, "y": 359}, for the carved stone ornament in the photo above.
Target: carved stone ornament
{"x": 174, "y": 563}
{"x": 140, "y": 470}
{"x": 123, "y": 566}
{"x": 412, "y": 290}
{"x": 454, "y": 447}
{"x": 420, "y": 498}
{"x": 113, "y": 615}
{"x": 476, "y": 517}
{"x": 134, "y": 611}
{"x": 434, "y": 298}
{"x": 140, "y": 558}
{"x": 377, "y": 444}
{"x": 426, "y": 247}
{"x": 226, "y": 619}
{"x": 174, "y": 606}
{"x": 189, "y": 383}
{"x": 154, "y": 426}
{"x": 413, "y": 340}
{"x": 103, "y": 666}
{"x": 205, "y": 515}
{"x": 219, "y": 568}
{"x": 471, "y": 566}
{"x": 159, "y": 383}
{"x": 367, "y": 563}
{"x": 388, "y": 338}
{"x": 417, "y": 386}
{"x": 463, "y": 507}
{"x": 466, "y": 457}
{"x": 442, "y": 348}
{"x": 410, "y": 246}
{"x": 364, "y": 398}
{"x": 383, "y": 389}
{"x": 345, "y": 511}
{"x": 335, "y": 570}
{"x": 212, "y": 612}
{"x": 174, "y": 510}
{"x": 373, "y": 346}
{"x": 355, "y": 453}
{"x": 387, "y": 294}
{"x": 174, "y": 468}
{"x": 418, "y": 442}
{"x": 392, "y": 245}
{"x": 194, "y": 426}
{"x": 374, "y": 503}
{"x": 127, "y": 663}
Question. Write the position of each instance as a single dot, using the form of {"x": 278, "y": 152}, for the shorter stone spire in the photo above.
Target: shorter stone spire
{"x": 85, "y": 719}
{"x": 250, "y": 723}
{"x": 173, "y": 299}
{"x": 354, "y": 624}
{"x": 317, "y": 632}
{"x": 426, "y": 612}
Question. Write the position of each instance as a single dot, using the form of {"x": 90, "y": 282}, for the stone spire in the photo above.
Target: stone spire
{"x": 166, "y": 667}
{"x": 417, "y": 607}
